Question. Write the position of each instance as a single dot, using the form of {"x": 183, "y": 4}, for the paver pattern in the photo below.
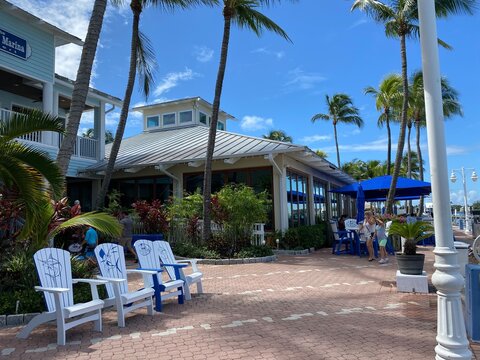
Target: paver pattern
{"x": 318, "y": 306}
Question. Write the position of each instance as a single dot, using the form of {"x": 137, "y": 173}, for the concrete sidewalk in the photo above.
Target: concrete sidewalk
{"x": 318, "y": 306}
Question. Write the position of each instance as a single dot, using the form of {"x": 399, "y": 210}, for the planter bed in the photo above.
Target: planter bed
{"x": 263, "y": 259}
{"x": 294, "y": 252}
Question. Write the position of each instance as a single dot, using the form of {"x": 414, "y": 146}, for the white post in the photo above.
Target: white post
{"x": 311, "y": 200}
{"x": 47, "y": 107}
{"x": 283, "y": 200}
{"x": 99, "y": 124}
{"x": 465, "y": 203}
{"x": 451, "y": 335}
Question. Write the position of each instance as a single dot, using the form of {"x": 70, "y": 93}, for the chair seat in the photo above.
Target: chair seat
{"x": 173, "y": 284}
{"x": 194, "y": 277}
{"x": 130, "y": 297}
{"x": 82, "y": 308}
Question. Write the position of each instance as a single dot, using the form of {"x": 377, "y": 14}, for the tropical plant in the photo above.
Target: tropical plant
{"x": 278, "y": 135}
{"x": 27, "y": 174}
{"x": 451, "y": 107}
{"x": 363, "y": 170}
{"x": 340, "y": 110}
{"x": 244, "y": 13}
{"x": 412, "y": 232}
{"x": 322, "y": 154}
{"x": 400, "y": 19}
{"x": 90, "y": 133}
{"x": 387, "y": 99}
{"x": 154, "y": 216}
{"x": 82, "y": 82}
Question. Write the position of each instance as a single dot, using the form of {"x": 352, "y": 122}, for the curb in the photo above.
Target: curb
{"x": 263, "y": 259}
{"x": 294, "y": 252}
{"x": 15, "y": 320}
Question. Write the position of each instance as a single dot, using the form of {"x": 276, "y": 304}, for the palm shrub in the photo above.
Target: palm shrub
{"x": 412, "y": 232}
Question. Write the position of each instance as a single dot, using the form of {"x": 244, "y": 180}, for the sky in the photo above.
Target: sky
{"x": 274, "y": 84}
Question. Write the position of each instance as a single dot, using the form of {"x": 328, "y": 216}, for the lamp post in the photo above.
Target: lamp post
{"x": 474, "y": 178}
{"x": 452, "y": 342}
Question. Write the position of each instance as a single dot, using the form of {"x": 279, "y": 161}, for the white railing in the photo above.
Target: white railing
{"x": 6, "y": 115}
{"x": 258, "y": 231}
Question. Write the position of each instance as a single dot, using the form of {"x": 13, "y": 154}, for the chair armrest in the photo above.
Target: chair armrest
{"x": 142, "y": 271}
{"x": 112, "y": 280}
{"x": 179, "y": 266}
{"x": 148, "y": 269}
{"x": 93, "y": 285}
{"x": 192, "y": 262}
{"x": 51, "y": 290}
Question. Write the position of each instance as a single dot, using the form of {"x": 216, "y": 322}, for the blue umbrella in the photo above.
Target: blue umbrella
{"x": 360, "y": 204}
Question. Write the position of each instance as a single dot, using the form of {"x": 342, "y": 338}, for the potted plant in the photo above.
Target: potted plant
{"x": 409, "y": 262}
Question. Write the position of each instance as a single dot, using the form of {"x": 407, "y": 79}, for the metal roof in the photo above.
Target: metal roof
{"x": 189, "y": 144}
{"x": 61, "y": 37}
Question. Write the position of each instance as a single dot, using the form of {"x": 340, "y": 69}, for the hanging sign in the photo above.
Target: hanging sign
{"x": 14, "y": 45}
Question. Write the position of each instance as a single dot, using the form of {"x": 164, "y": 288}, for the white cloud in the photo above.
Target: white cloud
{"x": 255, "y": 123}
{"x": 278, "y": 54}
{"x": 71, "y": 16}
{"x": 172, "y": 80}
{"x": 203, "y": 53}
{"x": 357, "y": 23}
{"x": 456, "y": 197}
{"x": 301, "y": 80}
{"x": 456, "y": 150}
{"x": 315, "y": 138}
{"x": 374, "y": 145}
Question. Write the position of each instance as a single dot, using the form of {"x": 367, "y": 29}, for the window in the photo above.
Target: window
{"x": 297, "y": 199}
{"x": 150, "y": 188}
{"x": 220, "y": 126}
{"x": 186, "y": 117}
{"x": 152, "y": 121}
{"x": 203, "y": 118}
{"x": 168, "y": 119}
{"x": 319, "y": 190}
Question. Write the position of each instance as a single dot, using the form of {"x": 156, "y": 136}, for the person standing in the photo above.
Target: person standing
{"x": 126, "y": 239}
{"x": 382, "y": 241}
{"x": 368, "y": 228}
{"x": 76, "y": 209}
{"x": 91, "y": 240}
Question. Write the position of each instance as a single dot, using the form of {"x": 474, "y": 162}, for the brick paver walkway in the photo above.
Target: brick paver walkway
{"x": 318, "y": 306}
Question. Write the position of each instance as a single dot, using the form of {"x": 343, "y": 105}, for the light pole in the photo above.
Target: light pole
{"x": 474, "y": 178}
{"x": 452, "y": 342}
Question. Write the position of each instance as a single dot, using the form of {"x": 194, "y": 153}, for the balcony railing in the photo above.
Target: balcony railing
{"x": 84, "y": 147}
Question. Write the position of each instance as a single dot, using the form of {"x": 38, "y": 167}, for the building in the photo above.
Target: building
{"x": 167, "y": 158}
{"x": 28, "y": 80}
{"x": 169, "y": 155}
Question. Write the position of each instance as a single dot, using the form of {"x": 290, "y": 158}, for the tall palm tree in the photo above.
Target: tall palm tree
{"x": 244, "y": 13}
{"x": 27, "y": 170}
{"x": 340, "y": 110}
{"x": 451, "y": 107}
{"x": 400, "y": 18}
{"x": 80, "y": 89}
{"x": 90, "y": 133}
{"x": 278, "y": 135}
{"x": 387, "y": 100}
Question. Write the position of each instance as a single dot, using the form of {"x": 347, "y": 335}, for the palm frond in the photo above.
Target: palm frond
{"x": 102, "y": 222}
{"x": 320, "y": 117}
{"x": 146, "y": 63}
{"x": 27, "y": 122}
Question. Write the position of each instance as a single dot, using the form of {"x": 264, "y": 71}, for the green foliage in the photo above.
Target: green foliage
{"x": 154, "y": 216}
{"x": 186, "y": 207}
{"x": 413, "y": 233}
{"x": 114, "y": 206}
{"x": 186, "y": 249}
{"x": 254, "y": 251}
{"x": 304, "y": 237}
{"x": 475, "y": 205}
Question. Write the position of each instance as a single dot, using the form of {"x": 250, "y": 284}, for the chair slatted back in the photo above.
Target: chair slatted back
{"x": 111, "y": 261}
{"x": 148, "y": 257}
{"x": 333, "y": 224}
{"x": 55, "y": 271}
{"x": 164, "y": 251}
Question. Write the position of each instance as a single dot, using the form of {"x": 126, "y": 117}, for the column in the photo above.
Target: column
{"x": 283, "y": 200}
{"x": 99, "y": 129}
{"x": 311, "y": 200}
{"x": 451, "y": 335}
{"x": 328, "y": 201}
{"x": 48, "y": 107}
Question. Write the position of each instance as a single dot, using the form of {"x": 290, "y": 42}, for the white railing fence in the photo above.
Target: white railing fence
{"x": 6, "y": 115}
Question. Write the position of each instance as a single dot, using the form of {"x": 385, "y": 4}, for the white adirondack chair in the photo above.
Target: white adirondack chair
{"x": 351, "y": 224}
{"x": 111, "y": 261}
{"x": 171, "y": 265}
{"x": 55, "y": 273}
{"x": 149, "y": 259}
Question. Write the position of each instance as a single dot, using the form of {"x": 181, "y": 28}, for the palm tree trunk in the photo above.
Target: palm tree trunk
{"x": 136, "y": 7}
{"x": 409, "y": 163}
{"x": 403, "y": 125}
{"x": 420, "y": 161}
{"x": 389, "y": 136}
{"x": 80, "y": 89}
{"x": 336, "y": 143}
{"x": 207, "y": 178}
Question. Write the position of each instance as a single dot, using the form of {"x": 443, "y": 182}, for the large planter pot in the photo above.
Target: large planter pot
{"x": 410, "y": 264}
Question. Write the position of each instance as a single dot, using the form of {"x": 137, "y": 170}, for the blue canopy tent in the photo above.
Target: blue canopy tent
{"x": 376, "y": 189}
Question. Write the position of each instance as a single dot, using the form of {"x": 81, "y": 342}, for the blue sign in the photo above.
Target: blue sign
{"x": 14, "y": 45}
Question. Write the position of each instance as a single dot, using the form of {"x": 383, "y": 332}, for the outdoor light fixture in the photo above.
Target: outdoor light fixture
{"x": 474, "y": 177}
{"x": 278, "y": 243}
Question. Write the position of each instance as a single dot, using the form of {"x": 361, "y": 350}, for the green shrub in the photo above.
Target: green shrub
{"x": 189, "y": 250}
{"x": 304, "y": 237}
{"x": 254, "y": 251}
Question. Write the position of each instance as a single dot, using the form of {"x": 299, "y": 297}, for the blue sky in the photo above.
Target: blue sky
{"x": 273, "y": 84}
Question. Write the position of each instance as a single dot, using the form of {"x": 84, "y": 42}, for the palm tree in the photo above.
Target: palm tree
{"x": 451, "y": 107}
{"x": 80, "y": 89}
{"x": 340, "y": 110}
{"x": 27, "y": 170}
{"x": 322, "y": 154}
{"x": 400, "y": 18}
{"x": 387, "y": 99}
{"x": 90, "y": 133}
{"x": 244, "y": 13}
{"x": 278, "y": 135}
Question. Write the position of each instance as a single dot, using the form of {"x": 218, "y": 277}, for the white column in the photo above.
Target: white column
{"x": 311, "y": 200}
{"x": 47, "y": 103}
{"x": 328, "y": 201}
{"x": 451, "y": 335}
{"x": 283, "y": 200}
{"x": 99, "y": 129}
